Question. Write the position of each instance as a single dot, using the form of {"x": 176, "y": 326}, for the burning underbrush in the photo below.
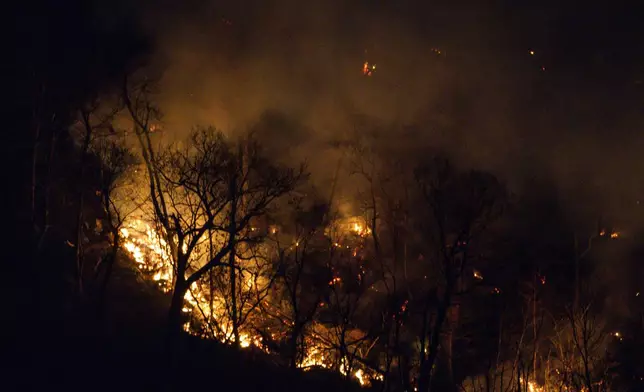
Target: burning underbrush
{"x": 263, "y": 318}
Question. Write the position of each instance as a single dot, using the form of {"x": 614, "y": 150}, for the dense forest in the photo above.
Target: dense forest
{"x": 143, "y": 256}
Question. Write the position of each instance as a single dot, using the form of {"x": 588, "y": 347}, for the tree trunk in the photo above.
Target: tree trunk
{"x": 425, "y": 378}
{"x": 211, "y": 286}
{"x": 293, "y": 348}
{"x": 233, "y": 293}
{"x": 231, "y": 257}
{"x": 175, "y": 315}
{"x": 447, "y": 353}
{"x": 104, "y": 282}
{"x": 81, "y": 203}
{"x": 295, "y": 338}
{"x": 535, "y": 340}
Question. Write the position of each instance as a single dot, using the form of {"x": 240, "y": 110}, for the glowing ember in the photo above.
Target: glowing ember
{"x": 359, "y": 374}
{"x": 368, "y": 69}
{"x": 477, "y": 275}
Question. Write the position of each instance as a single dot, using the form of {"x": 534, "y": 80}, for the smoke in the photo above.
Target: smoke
{"x": 460, "y": 75}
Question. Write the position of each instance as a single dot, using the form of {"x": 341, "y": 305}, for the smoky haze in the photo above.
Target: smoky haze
{"x": 460, "y": 76}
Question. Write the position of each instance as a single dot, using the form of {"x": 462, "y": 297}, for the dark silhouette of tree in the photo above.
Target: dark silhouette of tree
{"x": 580, "y": 342}
{"x": 302, "y": 278}
{"x": 95, "y": 121}
{"x": 459, "y": 208}
{"x": 385, "y": 204}
{"x": 63, "y": 56}
{"x": 119, "y": 200}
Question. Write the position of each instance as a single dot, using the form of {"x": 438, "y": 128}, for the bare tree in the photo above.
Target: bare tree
{"x": 49, "y": 121}
{"x": 210, "y": 187}
{"x": 459, "y": 206}
{"x": 347, "y": 307}
{"x": 580, "y": 344}
{"x": 301, "y": 283}
{"x": 384, "y": 205}
{"x": 95, "y": 120}
{"x": 244, "y": 293}
{"x": 118, "y": 199}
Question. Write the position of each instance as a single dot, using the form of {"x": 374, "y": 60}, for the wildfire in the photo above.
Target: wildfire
{"x": 316, "y": 357}
{"x": 149, "y": 251}
{"x": 357, "y": 227}
{"x": 313, "y": 358}
{"x": 151, "y": 255}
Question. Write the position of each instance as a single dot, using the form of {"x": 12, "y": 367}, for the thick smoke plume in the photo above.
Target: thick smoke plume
{"x": 492, "y": 86}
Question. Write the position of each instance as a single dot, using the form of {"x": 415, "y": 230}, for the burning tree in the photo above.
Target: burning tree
{"x": 207, "y": 191}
